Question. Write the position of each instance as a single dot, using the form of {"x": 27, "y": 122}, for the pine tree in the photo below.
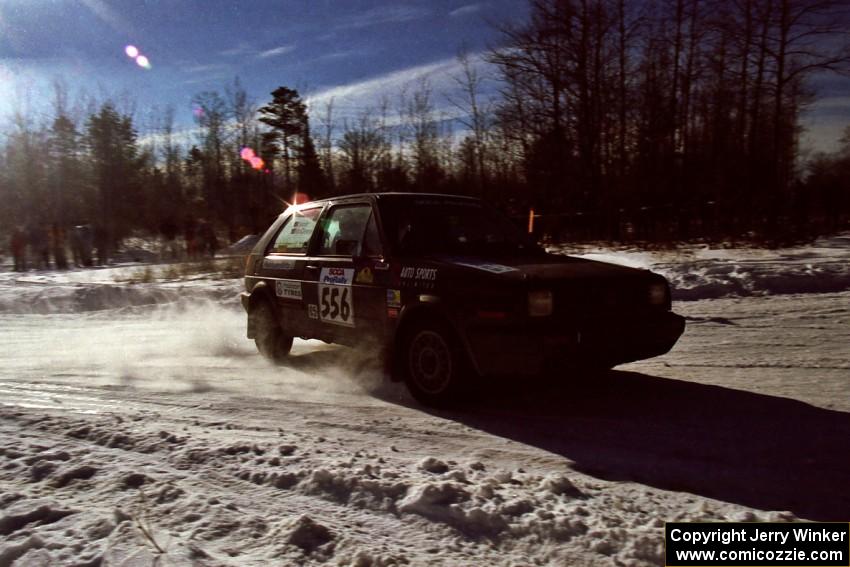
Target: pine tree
{"x": 286, "y": 114}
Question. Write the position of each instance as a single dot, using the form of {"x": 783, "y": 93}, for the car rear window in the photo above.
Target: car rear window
{"x": 294, "y": 235}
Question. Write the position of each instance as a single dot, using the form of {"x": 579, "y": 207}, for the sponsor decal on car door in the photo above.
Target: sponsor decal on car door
{"x": 288, "y": 289}
{"x": 336, "y": 299}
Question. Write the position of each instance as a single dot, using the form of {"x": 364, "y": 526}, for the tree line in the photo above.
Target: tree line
{"x": 613, "y": 119}
{"x": 682, "y": 116}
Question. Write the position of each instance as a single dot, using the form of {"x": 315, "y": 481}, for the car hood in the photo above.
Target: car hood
{"x": 544, "y": 267}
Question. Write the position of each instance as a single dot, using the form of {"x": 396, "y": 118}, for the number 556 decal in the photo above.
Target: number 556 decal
{"x": 336, "y": 305}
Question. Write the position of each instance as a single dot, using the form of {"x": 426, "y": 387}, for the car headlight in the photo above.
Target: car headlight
{"x": 540, "y": 303}
{"x": 658, "y": 293}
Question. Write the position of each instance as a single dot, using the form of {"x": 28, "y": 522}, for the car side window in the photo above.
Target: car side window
{"x": 294, "y": 235}
{"x": 344, "y": 229}
{"x": 372, "y": 239}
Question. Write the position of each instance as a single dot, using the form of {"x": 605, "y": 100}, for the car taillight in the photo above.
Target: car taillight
{"x": 540, "y": 303}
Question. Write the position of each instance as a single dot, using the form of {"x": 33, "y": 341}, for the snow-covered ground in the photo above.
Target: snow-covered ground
{"x": 138, "y": 427}
{"x": 705, "y": 272}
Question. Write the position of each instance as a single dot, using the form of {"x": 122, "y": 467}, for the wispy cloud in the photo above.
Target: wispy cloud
{"x": 465, "y": 10}
{"x": 335, "y": 56}
{"x": 206, "y": 68}
{"x": 383, "y": 15}
{"x": 343, "y": 54}
{"x": 205, "y": 73}
{"x": 244, "y": 49}
{"x": 275, "y": 52}
{"x": 368, "y": 93}
{"x": 103, "y": 11}
{"x": 353, "y": 98}
{"x": 240, "y": 49}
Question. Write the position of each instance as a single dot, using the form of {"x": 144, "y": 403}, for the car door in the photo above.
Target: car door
{"x": 283, "y": 267}
{"x": 345, "y": 275}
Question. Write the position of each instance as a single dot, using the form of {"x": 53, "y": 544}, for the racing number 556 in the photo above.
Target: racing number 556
{"x": 336, "y": 304}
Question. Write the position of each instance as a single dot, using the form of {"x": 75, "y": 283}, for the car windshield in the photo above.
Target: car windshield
{"x": 425, "y": 226}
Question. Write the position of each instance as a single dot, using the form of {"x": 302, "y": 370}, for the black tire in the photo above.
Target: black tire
{"x": 433, "y": 365}
{"x": 270, "y": 339}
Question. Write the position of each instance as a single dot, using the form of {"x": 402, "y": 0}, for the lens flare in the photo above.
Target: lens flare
{"x": 299, "y": 198}
{"x": 132, "y": 51}
{"x": 252, "y": 158}
{"x": 143, "y": 62}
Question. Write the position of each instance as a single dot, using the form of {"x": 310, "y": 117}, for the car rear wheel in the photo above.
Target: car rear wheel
{"x": 433, "y": 364}
{"x": 270, "y": 339}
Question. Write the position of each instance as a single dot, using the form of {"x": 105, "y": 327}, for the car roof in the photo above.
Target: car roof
{"x": 390, "y": 194}
{"x": 374, "y": 197}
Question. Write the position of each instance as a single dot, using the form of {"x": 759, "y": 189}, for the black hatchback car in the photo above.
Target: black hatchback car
{"x": 446, "y": 288}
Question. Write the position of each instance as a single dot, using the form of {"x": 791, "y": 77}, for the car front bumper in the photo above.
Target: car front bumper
{"x": 601, "y": 342}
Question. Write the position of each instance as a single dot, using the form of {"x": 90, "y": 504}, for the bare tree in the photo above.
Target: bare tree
{"x": 474, "y": 115}
{"x": 243, "y": 110}
{"x": 422, "y": 126}
{"x": 326, "y": 141}
{"x": 363, "y": 147}
{"x": 210, "y": 111}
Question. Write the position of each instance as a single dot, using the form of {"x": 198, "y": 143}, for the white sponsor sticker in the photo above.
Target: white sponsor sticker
{"x": 336, "y": 276}
{"x": 288, "y": 289}
{"x": 313, "y": 311}
{"x": 277, "y": 263}
{"x": 336, "y": 304}
{"x": 493, "y": 268}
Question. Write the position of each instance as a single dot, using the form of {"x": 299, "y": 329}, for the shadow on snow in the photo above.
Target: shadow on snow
{"x": 752, "y": 449}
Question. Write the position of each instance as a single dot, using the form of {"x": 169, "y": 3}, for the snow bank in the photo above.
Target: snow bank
{"x": 126, "y": 492}
{"x": 703, "y": 272}
{"x": 27, "y": 297}
{"x": 695, "y": 272}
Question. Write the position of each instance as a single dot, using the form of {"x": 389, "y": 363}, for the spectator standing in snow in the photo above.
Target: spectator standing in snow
{"x": 101, "y": 242}
{"x": 39, "y": 246}
{"x": 81, "y": 245}
{"x": 207, "y": 238}
{"x": 169, "y": 234}
{"x": 57, "y": 241}
{"x": 189, "y": 228}
{"x": 18, "y": 244}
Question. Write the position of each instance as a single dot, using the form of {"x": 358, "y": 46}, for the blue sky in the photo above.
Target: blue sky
{"x": 351, "y": 50}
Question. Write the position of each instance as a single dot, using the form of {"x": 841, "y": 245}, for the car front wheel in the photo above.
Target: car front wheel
{"x": 434, "y": 370}
{"x": 270, "y": 339}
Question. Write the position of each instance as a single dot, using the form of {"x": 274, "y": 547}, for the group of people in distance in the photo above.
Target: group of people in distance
{"x": 35, "y": 245}
{"x": 42, "y": 247}
{"x": 199, "y": 239}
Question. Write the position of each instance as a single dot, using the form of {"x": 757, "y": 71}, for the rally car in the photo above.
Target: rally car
{"x": 446, "y": 288}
